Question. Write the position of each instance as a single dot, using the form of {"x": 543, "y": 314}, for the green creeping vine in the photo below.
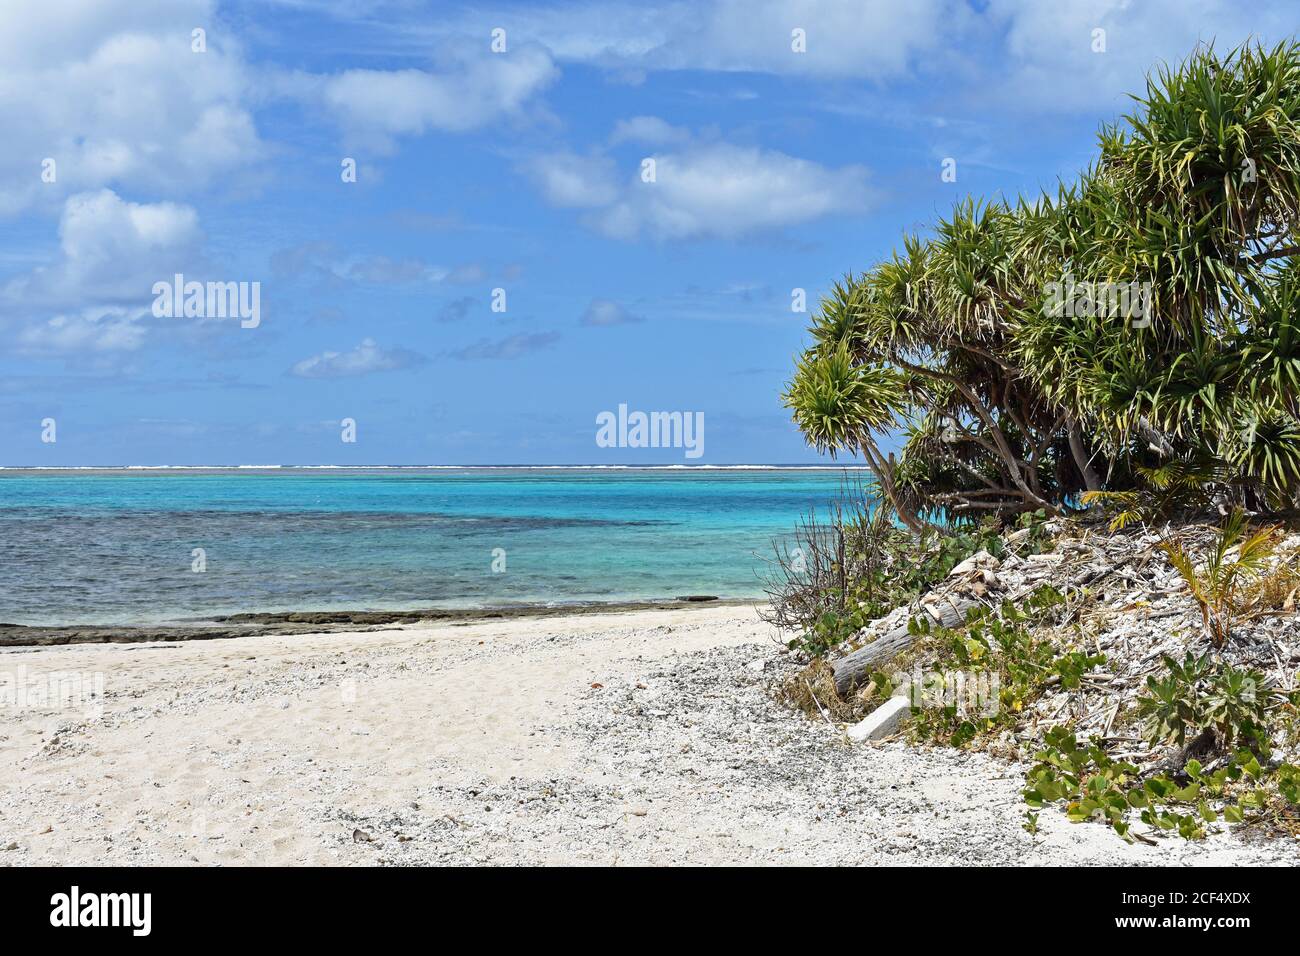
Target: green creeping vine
{"x": 1094, "y": 786}
{"x": 1003, "y": 646}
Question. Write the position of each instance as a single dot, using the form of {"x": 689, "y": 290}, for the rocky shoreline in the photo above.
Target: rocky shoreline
{"x": 265, "y": 624}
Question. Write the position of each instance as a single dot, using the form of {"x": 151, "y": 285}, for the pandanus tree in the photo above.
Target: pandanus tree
{"x": 1134, "y": 330}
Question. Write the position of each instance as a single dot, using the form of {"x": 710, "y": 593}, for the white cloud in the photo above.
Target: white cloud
{"x": 366, "y": 358}
{"x": 470, "y": 92}
{"x": 709, "y": 189}
{"x": 95, "y": 329}
{"x": 112, "y": 92}
{"x": 650, "y": 130}
{"x": 873, "y": 39}
{"x": 1050, "y": 65}
{"x": 510, "y": 347}
{"x": 572, "y": 181}
{"x": 606, "y": 312}
{"x": 386, "y": 271}
{"x": 1014, "y": 55}
{"x": 111, "y": 251}
{"x": 96, "y": 294}
{"x": 325, "y": 262}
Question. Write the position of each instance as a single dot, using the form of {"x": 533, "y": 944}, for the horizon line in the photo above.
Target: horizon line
{"x": 331, "y": 467}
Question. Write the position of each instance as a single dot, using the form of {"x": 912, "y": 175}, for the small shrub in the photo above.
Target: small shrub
{"x": 841, "y": 572}
{"x": 1224, "y": 585}
{"x": 1194, "y": 696}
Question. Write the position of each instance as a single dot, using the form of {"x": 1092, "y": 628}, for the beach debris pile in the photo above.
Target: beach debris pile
{"x": 1123, "y": 603}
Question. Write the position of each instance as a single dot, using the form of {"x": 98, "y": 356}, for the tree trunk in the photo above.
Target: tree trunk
{"x": 884, "y": 471}
{"x": 850, "y": 669}
{"x": 1080, "y": 452}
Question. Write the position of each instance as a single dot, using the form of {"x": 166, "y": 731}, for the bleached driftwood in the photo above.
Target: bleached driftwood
{"x": 850, "y": 669}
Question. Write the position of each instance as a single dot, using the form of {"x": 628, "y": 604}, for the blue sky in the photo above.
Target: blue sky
{"x": 517, "y": 170}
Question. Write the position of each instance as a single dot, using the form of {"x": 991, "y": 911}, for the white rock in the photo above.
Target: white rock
{"x": 882, "y": 721}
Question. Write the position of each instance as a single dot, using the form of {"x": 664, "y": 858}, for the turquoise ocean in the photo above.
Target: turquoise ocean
{"x": 92, "y": 546}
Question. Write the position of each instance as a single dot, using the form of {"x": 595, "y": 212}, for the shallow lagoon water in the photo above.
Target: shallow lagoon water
{"x": 117, "y": 546}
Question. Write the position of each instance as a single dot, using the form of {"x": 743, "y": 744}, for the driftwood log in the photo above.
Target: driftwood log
{"x": 850, "y": 669}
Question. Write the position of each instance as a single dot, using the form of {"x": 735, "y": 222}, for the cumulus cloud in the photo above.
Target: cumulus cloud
{"x": 703, "y": 189}
{"x": 512, "y": 346}
{"x": 114, "y": 94}
{"x": 728, "y": 191}
{"x": 466, "y": 93}
{"x": 1048, "y": 62}
{"x": 366, "y": 358}
{"x": 875, "y": 39}
{"x": 112, "y": 249}
{"x": 606, "y": 312}
{"x": 1022, "y": 55}
{"x": 90, "y": 330}
{"x": 572, "y": 181}
{"x": 97, "y": 293}
{"x": 111, "y": 91}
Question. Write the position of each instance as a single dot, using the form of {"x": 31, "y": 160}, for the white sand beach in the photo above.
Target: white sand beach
{"x": 645, "y": 737}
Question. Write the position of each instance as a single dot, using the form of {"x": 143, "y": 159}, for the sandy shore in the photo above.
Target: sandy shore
{"x": 647, "y": 737}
